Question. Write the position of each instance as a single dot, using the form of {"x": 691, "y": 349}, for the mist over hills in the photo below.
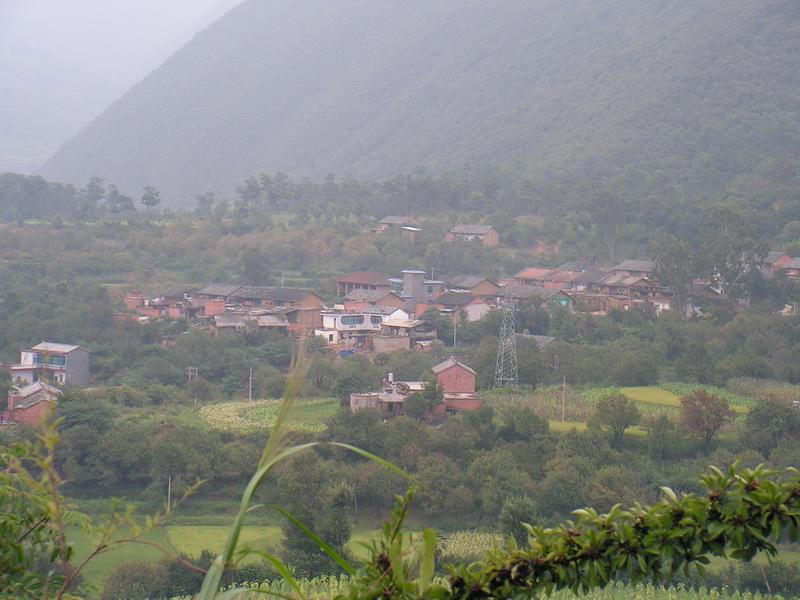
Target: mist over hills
{"x": 648, "y": 98}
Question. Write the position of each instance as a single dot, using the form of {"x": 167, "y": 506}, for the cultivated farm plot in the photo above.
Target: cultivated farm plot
{"x": 659, "y": 396}
{"x": 252, "y": 417}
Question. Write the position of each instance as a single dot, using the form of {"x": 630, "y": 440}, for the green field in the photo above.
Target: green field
{"x": 309, "y": 415}
{"x": 661, "y": 397}
{"x": 193, "y": 539}
{"x": 101, "y": 566}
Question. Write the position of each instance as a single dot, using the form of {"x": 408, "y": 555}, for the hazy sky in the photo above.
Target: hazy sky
{"x": 119, "y": 40}
{"x": 62, "y": 62}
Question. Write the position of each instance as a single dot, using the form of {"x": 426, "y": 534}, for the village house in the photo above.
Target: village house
{"x": 49, "y": 362}
{"x": 404, "y": 334}
{"x": 775, "y": 260}
{"x": 486, "y": 234}
{"x": 539, "y": 296}
{"x": 363, "y": 280}
{"x": 306, "y": 316}
{"x": 461, "y": 305}
{"x": 456, "y": 380}
{"x": 29, "y": 404}
{"x": 791, "y": 268}
{"x": 355, "y": 329}
{"x": 533, "y": 276}
{"x": 265, "y": 322}
{"x": 477, "y": 286}
{"x": 454, "y": 377}
{"x": 359, "y": 300}
{"x": 395, "y": 223}
{"x": 641, "y": 268}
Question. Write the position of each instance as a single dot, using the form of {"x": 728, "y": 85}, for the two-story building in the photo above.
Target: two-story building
{"x": 63, "y": 364}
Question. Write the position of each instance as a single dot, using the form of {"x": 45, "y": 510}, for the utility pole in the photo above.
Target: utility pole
{"x": 455, "y": 330}
{"x": 191, "y": 373}
{"x": 506, "y": 372}
{"x": 564, "y": 399}
{"x": 250, "y": 387}
{"x": 169, "y": 494}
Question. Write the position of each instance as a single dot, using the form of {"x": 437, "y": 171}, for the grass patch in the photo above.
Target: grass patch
{"x": 652, "y": 395}
{"x": 566, "y": 426}
{"x": 100, "y": 567}
{"x": 193, "y": 539}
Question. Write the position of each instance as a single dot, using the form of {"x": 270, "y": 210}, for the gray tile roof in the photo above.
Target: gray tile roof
{"x": 645, "y": 266}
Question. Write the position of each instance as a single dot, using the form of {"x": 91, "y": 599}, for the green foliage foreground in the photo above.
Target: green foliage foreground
{"x": 743, "y": 512}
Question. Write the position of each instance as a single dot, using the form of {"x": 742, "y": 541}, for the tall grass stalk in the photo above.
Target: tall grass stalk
{"x": 277, "y": 449}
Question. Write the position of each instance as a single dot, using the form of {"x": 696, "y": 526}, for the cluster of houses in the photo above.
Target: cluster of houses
{"x": 376, "y": 312}
{"x": 34, "y": 379}
{"x": 409, "y": 228}
{"x": 454, "y": 378}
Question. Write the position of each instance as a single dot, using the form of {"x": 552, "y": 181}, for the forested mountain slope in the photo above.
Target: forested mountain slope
{"x": 650, "y": 98}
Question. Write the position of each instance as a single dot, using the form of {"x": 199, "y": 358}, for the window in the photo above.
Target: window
{"x": 375, "y": 320}
{"x": 353, "y": 320}
{"x": 330, "y": 337}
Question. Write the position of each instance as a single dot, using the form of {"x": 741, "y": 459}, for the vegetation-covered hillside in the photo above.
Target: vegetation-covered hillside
{"x": 651, "y": 99}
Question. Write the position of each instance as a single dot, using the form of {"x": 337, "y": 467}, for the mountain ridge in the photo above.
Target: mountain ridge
{"x": 572, "y": 92}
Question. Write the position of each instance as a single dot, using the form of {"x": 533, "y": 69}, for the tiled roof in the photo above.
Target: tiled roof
{"x": 454, "y": 298}
{"x": 54, "y": 347}
{"x": 361, "y": 295}
{"x": 527, "y": 292}
{"x": 792, "y": 264}
{"x": 467, "y": 281}
{"x": 364, "y": 278}
{"x": 532, "y": 273}
{"x": 644, "y": 266}
{"x": 287, "y": 294}
{"x": 219, "y": 289}
{"x": 272, "y": 321}
{"x": 472, "y": 229}
{"x": 591, "y": 275}
{"x": 773, "y": 255}
{"x": 450, "y": 362}
{"x": 561, "y": 276}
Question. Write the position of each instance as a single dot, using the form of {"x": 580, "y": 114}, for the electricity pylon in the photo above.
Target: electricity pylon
{"x": 506, "y": 373}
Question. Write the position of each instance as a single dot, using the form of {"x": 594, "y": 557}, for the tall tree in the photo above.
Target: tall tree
{"x": 151, "y": 197}
{"x": 615, "y": 413}
{"x": 673, "y": 260}
{"x": 703, "y": 414}
{"x": 731, "y": 250}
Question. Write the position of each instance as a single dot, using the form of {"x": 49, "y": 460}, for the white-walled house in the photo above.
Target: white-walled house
{"x": 348, "y": 327}
{"x": 52, "y": 363}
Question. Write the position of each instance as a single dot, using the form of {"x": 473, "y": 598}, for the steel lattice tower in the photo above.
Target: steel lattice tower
{"x": 506, "y": 372}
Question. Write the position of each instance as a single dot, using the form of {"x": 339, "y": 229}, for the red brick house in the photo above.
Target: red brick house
{"x": 454, "y": 377}
{"x": 29, "y": 404}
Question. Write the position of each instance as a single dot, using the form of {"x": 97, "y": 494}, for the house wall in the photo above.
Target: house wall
{"x": 33, "y": 415}
{"x": 212, "y": 308}
{"x": 77, "y": 368}
{"x": 360, "y": 401}
{"x": 456, "y": 380}
{"x": 476, "y": 311}
{"x": 390, "y": 343}
{"x": 491, "y": 239}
